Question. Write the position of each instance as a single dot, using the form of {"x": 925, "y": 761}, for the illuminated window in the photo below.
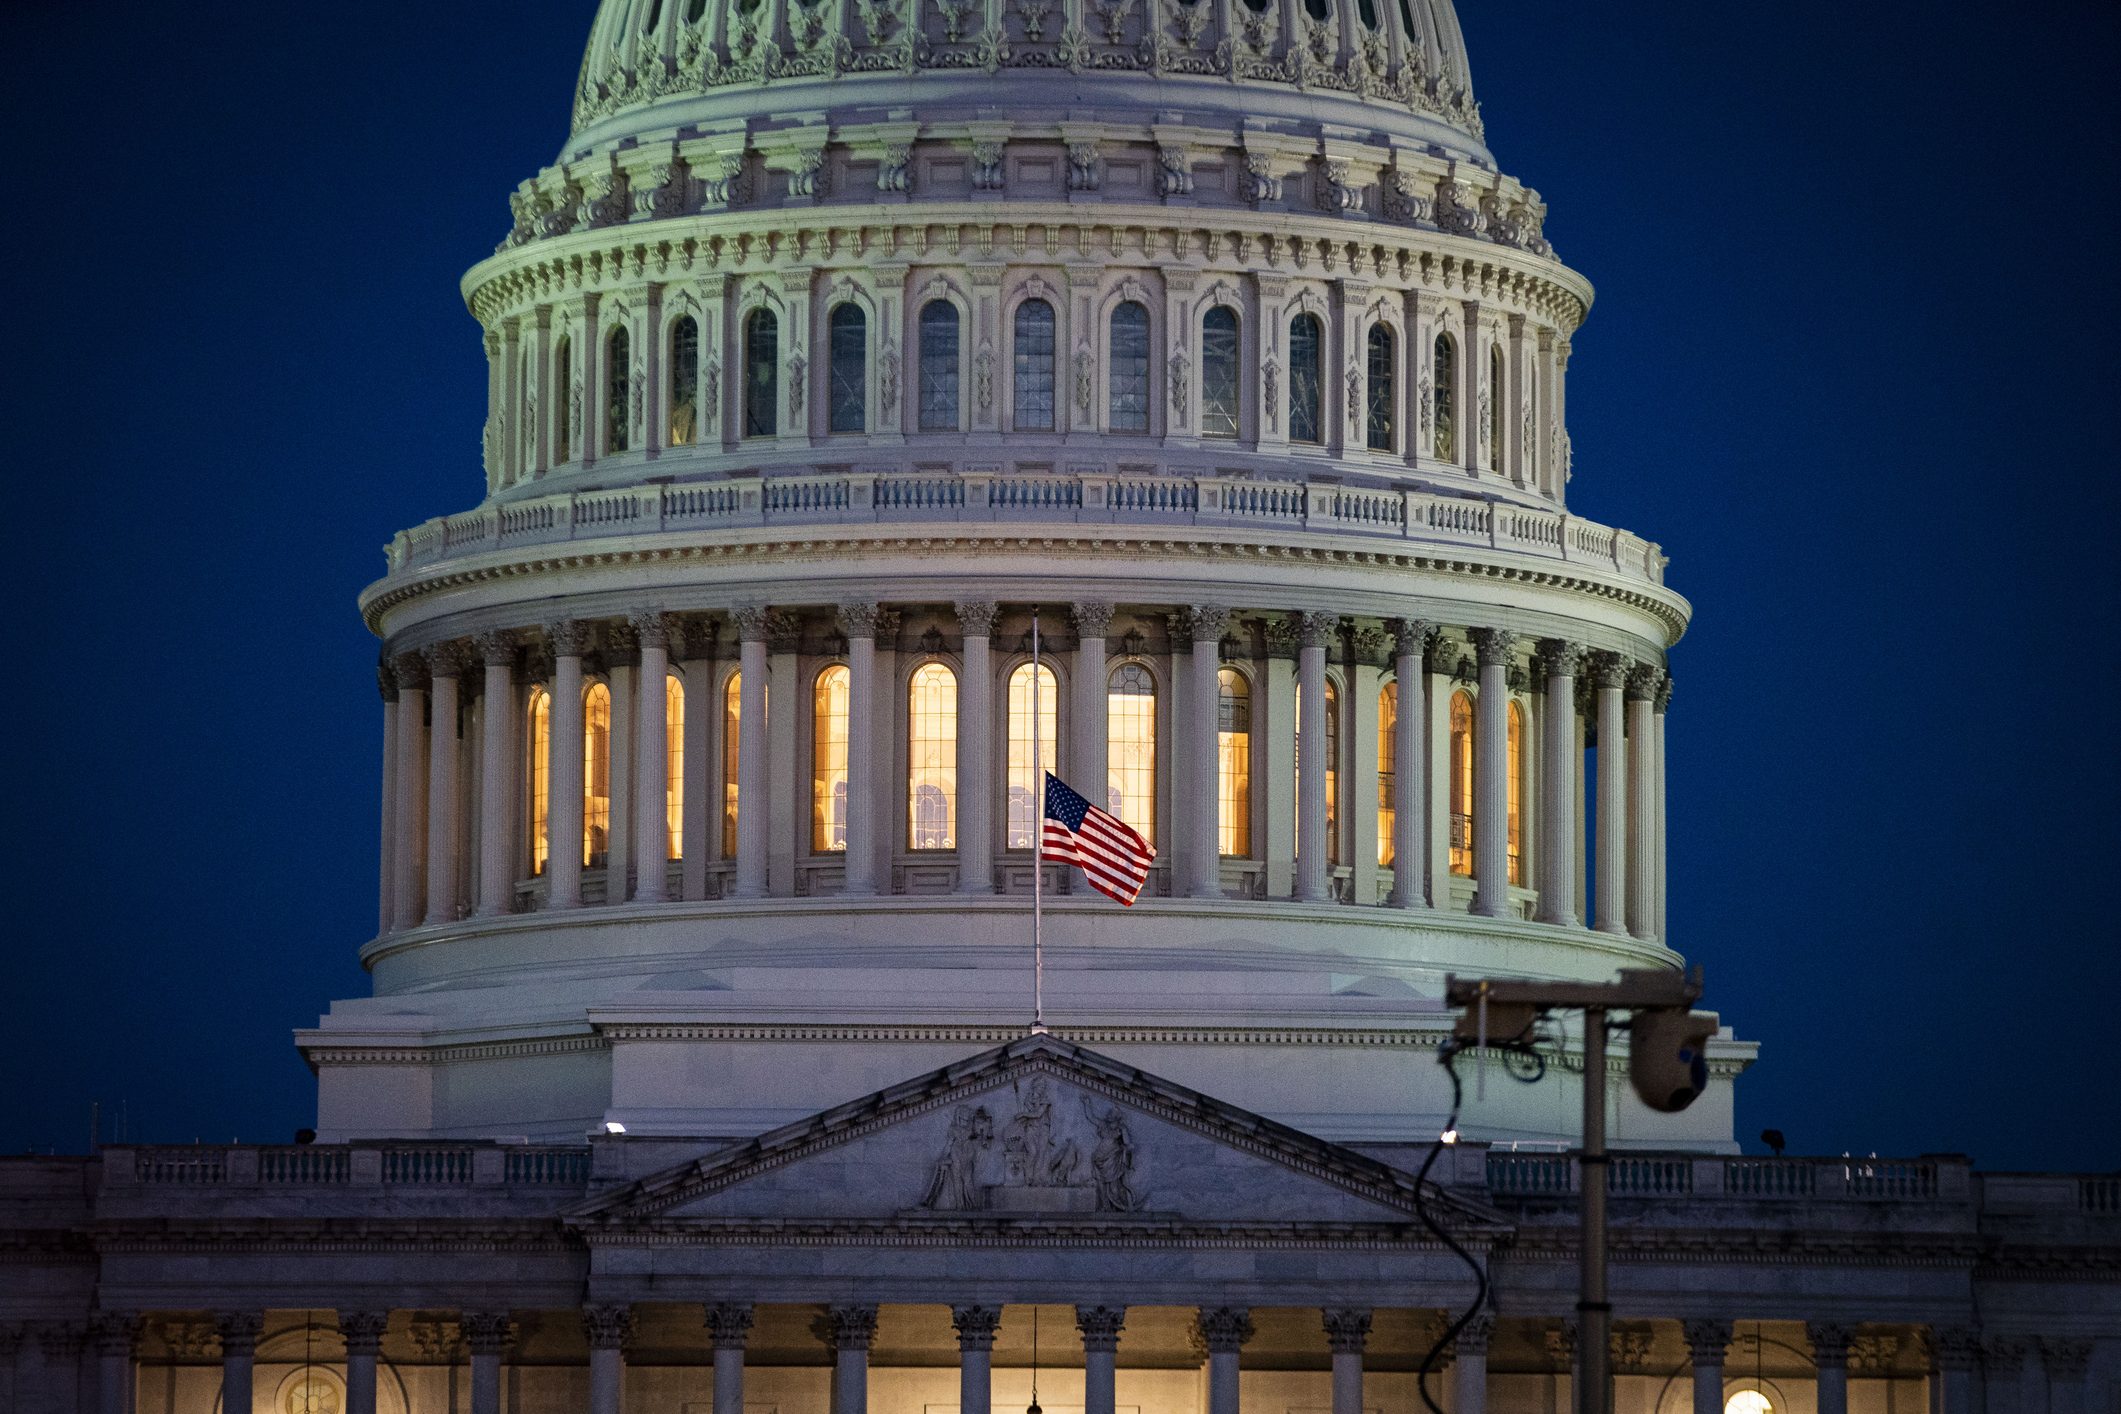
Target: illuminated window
{"x": 562, "y": 402}
{"x": 732, "y": 742}
{"x": 1749, "y": 1401}
{"x": 1128, "y": 368}
{"x": 1516, "y": 789}
{"x": 762, "y": 374}
{"x": 674, "y": 767}
{"x": 684, "y": 381}
{"x": 1233, "y": 769}
{"x": 1024, "y": 815}
{"x": 828, "y": 769}
{"x": 1383, "y": 373}
{"x": 1218, "y": 372}
{"x": 931, "y": 758}
{"x": 1461, "y": 784}
{"x": 1034, "y": 366}
{"x": 849, "y": 334}
{"x": 618, "y": 378}
{"x": 1495, "y": 407}
{"x": 1306, "y": 354}
{"x": 1130, "y": 747}
{"x": 1332, "y": 774}
{"x": 596, "y": 775}
{"x": 938, "y": 395}
{"x": 1387, "y": 769}
{"x": 539, "y": 738}
{"x": 1446, "y": 398}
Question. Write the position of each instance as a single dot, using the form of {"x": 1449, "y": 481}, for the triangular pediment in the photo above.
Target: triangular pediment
{"x": 1036, "y": 1130}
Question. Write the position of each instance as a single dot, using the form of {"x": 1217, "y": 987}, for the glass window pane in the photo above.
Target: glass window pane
{"x": 1495, "y": 407}
{"x": 1446, "y": 399}
{"x": 1387, "y": 769}
{"x": 684, "y": 381}
{"x": 1305, "y": 353}
{"x": 596, "y": 775}
{"x": 762, "y": 378}
{"x": 1332, "y": 755}
{"x": 828, "y": 770}
{"x": 1382, "y": 374}
{"x": 732, "y": 738}
{"x": 939, "y": 406}
{"x": 1516, "y": 794}
{"x": 1130, "y": 748}
{"x": 563, "y": 403}
{"x": 618, "y": 398}
{"x": 1023, "y": 777}
{"x": 1034, "y": 366}
{"x": 1233, "y": 754}
{"x": 1218, "y": 373}
{"x": 1129, "y": 371}
{"x": 850, "y": 368}
{"x": 674, "y": 767}
{"x": 931, "y": 758}
{"x": 539, "y": 766}
{"x": 1461, "y": 785}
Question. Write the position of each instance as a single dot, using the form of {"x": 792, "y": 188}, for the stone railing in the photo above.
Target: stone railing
{"x": 347, "y": 1166}
{"x": 1157, "y": 503}
{"x": 1641, "y": 1175}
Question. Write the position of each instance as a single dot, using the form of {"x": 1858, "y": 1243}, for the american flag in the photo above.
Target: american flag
{"x": 1111, "y": 853}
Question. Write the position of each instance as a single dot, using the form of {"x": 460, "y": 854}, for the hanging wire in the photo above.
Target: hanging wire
{"x": 1447, "y": 1055}
{"x": 1034, "y": 1409}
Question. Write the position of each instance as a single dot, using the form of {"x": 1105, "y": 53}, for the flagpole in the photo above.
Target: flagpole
{"x": 1038, "y": 843}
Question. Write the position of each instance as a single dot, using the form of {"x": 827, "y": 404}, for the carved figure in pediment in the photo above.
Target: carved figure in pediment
{"x": 1028, "y": 1146}
{"x": 955, "y": 1185}
{"x": 1112, "y": 1161}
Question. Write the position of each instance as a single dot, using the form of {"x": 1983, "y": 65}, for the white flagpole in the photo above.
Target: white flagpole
{"x": 1038, "y": 844}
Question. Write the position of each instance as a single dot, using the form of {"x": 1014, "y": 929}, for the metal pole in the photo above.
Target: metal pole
{"x": 1594, "y": 1315}
{"x": 1038, "y": 843}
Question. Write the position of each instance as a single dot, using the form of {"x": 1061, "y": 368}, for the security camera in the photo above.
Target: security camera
{"x": 1668, "y": 1057}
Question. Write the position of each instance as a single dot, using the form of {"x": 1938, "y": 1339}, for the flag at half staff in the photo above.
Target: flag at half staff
{"x": 1111, "y": 853}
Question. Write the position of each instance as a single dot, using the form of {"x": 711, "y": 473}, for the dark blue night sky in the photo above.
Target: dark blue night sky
{"x": 1853, "y": 363}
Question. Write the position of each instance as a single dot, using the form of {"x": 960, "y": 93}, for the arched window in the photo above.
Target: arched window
{"x": 732, "y": 742}
{"x": 1382, "y": 426}
{"x": 1495, "y": 419}
{"x": 931, "y": 758}
{"x": 596, "y": 775}
{"x": 1305, "y": 362}
{"x": 1387, "y": 770}
{"x": 1024, "y": 782}
{"x": 1233, "y": 768}
{"x": 1368, "y": 10}
{"x": 538, "y": 773}
{"x": 1218, "y": 373}
{"x": 849, "y": 330}
{"x": 618, "y": 399}
{"x": 1461, "y": 784}
{"x": 1034, "y": 366}
{"x": 938, "y": 394}
{"x": 1128, "y": 368}
{"x": 1446, "y": 399}
{"x": 1516, "y": 790}
{"x": 1332, "y": 774}
{"x": 762, "y": 374}
{"x": 674, "y": 767}
{"x": 684, "y": 381}
{"x": 1130, "y": 747}
{"x": 1317, "y": 9}
{"x": 828, "y": 760}
{"x": 562, "y": 402}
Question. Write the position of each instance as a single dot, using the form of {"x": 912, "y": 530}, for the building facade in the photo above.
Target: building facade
{"x": 888, "y": 401}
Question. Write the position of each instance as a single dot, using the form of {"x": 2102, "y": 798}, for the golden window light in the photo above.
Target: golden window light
{"x": 674, "y": 766}
{"x": 931, "y": 758}
{"x": 596, "y": 775}
{"x": 1387, "y": 770}
{"x": 1023, "y": 787}
{"x": 1332, "y": 776}
{"x": 1516, "y": 791}
{"x": 1461, "y": 784}
{"x": 1130, "y": 747}
{"x": 732, "y": 741}
{"x": 828, "y": 767}
{"x": 538, "y": 774}
{"x": 1233, "y": 756}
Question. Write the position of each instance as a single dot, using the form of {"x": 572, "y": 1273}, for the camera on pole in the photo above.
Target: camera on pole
{"x": 1668, "y": 1056}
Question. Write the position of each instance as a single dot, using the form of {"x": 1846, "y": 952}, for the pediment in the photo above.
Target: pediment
{"x": 1038, "y": 1130}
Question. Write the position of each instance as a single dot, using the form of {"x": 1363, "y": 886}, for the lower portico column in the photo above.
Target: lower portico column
{"x": 486, "y": 1332}
{"x": 1830, "y": 1357}
{"x": 239, "y": 1352}
{"x": 1347, "y": 1331}
{"x": 608, "y": 1329}
{"x": 1706, "y": 1342}
{"x": 976, "y": 1327}
{"x": 853, "y": 1328}
{"x": 363, "y": 1333}
{"x": 116, "y": 1335}
{"x": 1469, "y": 1375}
{"x": 1951, "y": 1352}
{"x": 1222, "y": 1331}
{"x": 729, "y": 1327}
{"x": 1100, "y": 1327}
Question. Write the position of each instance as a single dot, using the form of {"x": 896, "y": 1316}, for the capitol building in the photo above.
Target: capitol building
{"x": 887, "y": 401}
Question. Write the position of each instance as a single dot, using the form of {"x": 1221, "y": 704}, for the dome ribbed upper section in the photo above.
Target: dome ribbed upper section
{"x": 1395, "y": 68}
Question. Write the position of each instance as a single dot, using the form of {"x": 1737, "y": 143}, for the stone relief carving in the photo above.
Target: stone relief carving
{"x": 1260, "y": 182}
{"x": 986, "y": 166}
{"x": 1178, "y": 364}
{"x": 983, "y": 377}
{"x": 1270, "y": 394}
{"x": 1083, "y": 173}
{"x": 1041, "y": 1159}
{"x": 1033, "y": 14}
{"x": 887, "y": 376}
{"x": 895, "y": 172}
{"x": 797, "y": 367}
{"x": 1085, "y": 379}
{"x": 1173, "y": 178}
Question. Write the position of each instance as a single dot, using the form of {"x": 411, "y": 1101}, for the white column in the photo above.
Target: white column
{"x": 751, "y": 803}
{"x": 1830, "y": 1360}
{"x": 409, "y": 889}
{"x": 1200, "y": 740}
{"x": 1491, "y": 774}
{"x": 563, "y": 768}
{"x": 1469, "y": 1371}
{"x": 1706, "y": 1341}
{"x": 853, "y": 1328}
{"x": 1952, "y": 1350}
{"x": 621, "y": 656}
{"x": 703, "y": 720}
{"x": 1410, "y": 761}
{"x": 1347, "y": 1331}
{"x": 363, "y": 1333}
{"x": 497, "y": 777}
{"x": 115, "y": 1335}
{"x": 858, "y": 622}
{"x": 445, "y": 661}
{"x": 976, "y": 1327}
{"x": 1100, "y": 1327}
{"x": 1661, "y": 835}
{"x": 651, "y": 756}
{"x": 787, "y": 823}
{"x": 239, "y": 1350}
{"x": 387, "y": 864}
{"x": 1436, "y": 746}
{"x": 1580, "y": 847}
{"x": 1609, "y": 672}
{"x": 1642, "y": 802}
{"x": 975, "y": 751}
{"x": 1087, "y": 755}
{"x": 1313, "y": 630}
{"x": 608, "y": 1329}
{"x": 1557, "y": 783}
{"x": 1223, "y": 1331}
{"x": 486, "y": 1333}
{"x": 729, "y": 1327}
{"x": 1359, "y": 766}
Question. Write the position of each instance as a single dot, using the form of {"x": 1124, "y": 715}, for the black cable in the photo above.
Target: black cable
{"x": 1447, "y": 1055}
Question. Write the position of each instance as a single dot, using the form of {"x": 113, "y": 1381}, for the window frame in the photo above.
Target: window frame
{"x": 959, "y": 374}
{"x": 833, "y": 354}
{"x": 1318, "y": 361}
{"x": 1016, "y": 376}
{"x": 754, "y": 318}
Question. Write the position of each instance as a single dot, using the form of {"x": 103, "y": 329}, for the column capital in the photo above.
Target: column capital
{"x": 2004, "y": 1354}
{"x": 1410, "y": 635}
{"x": 1560, "y": 1340}
{"x": 1609, "y": 669}
{"x": 363, "y": 1331}
{"x": 1092, "y": 618}
{"x": 1950, "y": 1348}
{"x": 1706, "y": 1339}
{"x": 975, "y": 617}
{"x": 1100, "y": 1326}
{"x": 411, "y": 671}
{"x": 653, "y": 627}
{"x": 976, "y": 1326}
{"x": 447, "y": 659}
{"x": 496, "y": 648}
{"x": 1315, "y": 629}
{"x": 2064, "y": 1359}
{"x": 859, "y": 620}
{"x": 386, "y": 680}
{"x": 1492, "y": 646}
{"x": 851, "y": 1327}
{"x": 569, "y": 637}
{"x": 1830, "y": 1342}
{"x": 754, "y": 622}
{"x": 114, "y": 1332}
{"x": 239, "y": 1331}
{"x": 486, "y": 1332}
{"x": 1474, "y": 1335}
{"x": 1643, "y": 681}
{"x": 1663, "y": 699}
{"x": 699, "y": 635}
{"x": 1207, "y": 622}
{"x": 622, "y": 643}
{"x": 607, "y": 1327}
{"x": 729, "y": 1324}
{"x": 1347, "y": 1328}
{"x": 1222, "y": 1330}
{"x": 1441, "y": 657}
{"x": 1561, "y": 658}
